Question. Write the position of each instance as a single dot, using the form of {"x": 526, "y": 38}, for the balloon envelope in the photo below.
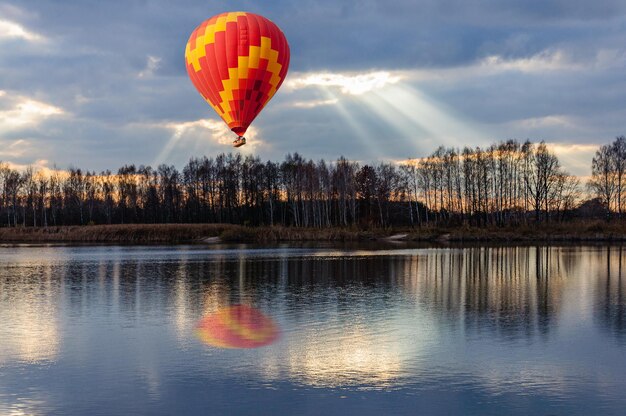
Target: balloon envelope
{"x": 237, "y": 326}
{"x": 237, "y": 61}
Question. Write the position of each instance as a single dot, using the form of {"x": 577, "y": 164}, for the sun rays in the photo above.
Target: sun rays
{"x": 198, "y": 134}
{"x": 408, "y": 116}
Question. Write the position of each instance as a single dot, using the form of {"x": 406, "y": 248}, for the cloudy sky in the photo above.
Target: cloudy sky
{"x": 97, "y": 84}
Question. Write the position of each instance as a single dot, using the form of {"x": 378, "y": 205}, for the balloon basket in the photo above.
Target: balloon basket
{"x": 239, "y": 142}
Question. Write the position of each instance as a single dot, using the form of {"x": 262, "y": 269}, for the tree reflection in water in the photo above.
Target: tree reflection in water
{"x": 482, "y": 324}
{"x": 610, "y": 290}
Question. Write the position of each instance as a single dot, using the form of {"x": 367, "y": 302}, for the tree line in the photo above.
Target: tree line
{"x": 608, "y": 175}
{"x": 507, "y": 183}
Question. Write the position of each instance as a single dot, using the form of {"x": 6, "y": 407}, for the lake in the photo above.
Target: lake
{"x": 359, "y": 329}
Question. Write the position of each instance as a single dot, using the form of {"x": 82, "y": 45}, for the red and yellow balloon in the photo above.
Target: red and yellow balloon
{"x": 237, "y": 326}
{"x": 237, "y": 61}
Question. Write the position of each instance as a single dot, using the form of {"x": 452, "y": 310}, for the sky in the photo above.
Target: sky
{"x": 98, "y": 84}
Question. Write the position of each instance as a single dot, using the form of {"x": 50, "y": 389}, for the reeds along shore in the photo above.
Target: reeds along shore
{"x": 215, "y": 233}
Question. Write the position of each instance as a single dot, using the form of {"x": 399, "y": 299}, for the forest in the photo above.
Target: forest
{"x": 506, "y": 184}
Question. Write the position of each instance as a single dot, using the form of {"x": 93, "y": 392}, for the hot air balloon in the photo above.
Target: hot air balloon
{"x": 237, "y": 61}
{"x": 237, "y": 326}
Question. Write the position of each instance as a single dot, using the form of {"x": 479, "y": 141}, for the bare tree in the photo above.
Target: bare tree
{"x": 603, "y": 180}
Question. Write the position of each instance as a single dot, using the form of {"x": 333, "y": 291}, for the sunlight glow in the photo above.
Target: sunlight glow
{"x": 40, "y": 166}
{"x": 574, "y": 157}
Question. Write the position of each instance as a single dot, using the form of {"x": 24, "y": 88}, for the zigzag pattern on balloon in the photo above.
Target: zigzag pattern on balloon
{"x": 237, "y": 61}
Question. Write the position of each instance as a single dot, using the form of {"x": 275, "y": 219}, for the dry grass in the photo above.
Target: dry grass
{"x": 186, "y": 233}
{"x": 119, "y": 233}
{"x": 279, "y": 233}
{"x": 179, "y": 233}
{"x": 570, "y": 231}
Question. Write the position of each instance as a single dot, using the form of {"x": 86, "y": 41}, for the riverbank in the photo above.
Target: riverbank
{"x": 216, "y": 233}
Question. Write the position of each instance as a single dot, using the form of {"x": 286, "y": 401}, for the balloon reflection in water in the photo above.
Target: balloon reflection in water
{"x": 237, "y": 326}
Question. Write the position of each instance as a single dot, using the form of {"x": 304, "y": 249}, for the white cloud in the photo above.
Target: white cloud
{"x": 12, "y": 30}
{"x": 560, "y": 121}
{"x": 152, "y": 64}
{"x": 347, "y": 83}
{"x": 24, "y": 112}
{"x": 610, "y": 58}
{"x": 80, "y": 99}
{"x": 41, "y": 166}
{"x": 548, "y": 60}
{"x": 357, "y": 83}
{"x": 17, "y": 114}
{"x": 314, "y": 103}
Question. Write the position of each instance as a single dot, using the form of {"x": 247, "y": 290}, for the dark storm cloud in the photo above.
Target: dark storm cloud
{"x": 116, "y": 68}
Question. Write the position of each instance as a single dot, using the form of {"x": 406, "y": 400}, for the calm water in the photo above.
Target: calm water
{"x": 112, "y": 331}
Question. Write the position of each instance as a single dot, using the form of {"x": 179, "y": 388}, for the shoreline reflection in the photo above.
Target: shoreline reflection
{"x": 514, "y": 327}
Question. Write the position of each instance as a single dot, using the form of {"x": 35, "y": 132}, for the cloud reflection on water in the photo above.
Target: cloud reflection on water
{"x": 28, "y": 312}
{"x": 487, "y": 321}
